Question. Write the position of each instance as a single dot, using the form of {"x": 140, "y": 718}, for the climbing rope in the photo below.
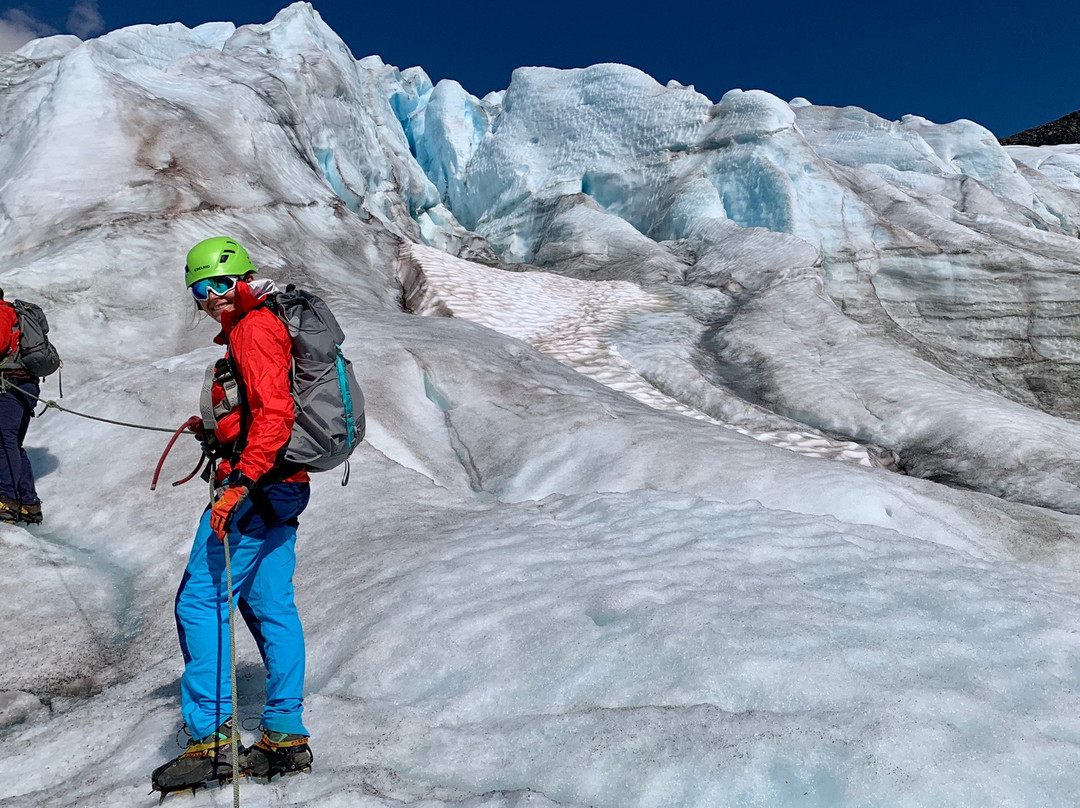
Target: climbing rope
{"x": 232, "y": 678}
{"x": 190, "y": 425}
{"x": 50, "y": 404}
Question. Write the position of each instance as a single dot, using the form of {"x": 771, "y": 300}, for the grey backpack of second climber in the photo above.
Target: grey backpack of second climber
{"x": 35, "y": 354}
{"x": 328, "y": 402}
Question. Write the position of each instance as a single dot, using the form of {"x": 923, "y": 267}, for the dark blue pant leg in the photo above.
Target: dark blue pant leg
{"x": 27, "y": 490}
{"x": 16, "y": 474}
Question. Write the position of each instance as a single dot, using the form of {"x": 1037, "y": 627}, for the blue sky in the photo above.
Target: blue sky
{"x": 1008, "y": 66}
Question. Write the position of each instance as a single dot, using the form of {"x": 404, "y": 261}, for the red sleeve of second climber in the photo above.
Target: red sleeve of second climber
{"x": 262, "y": 350}
{"x": 8, "y": 321}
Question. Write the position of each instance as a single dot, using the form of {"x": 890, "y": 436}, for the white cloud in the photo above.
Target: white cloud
{"x": 84, "y": 19}
{"x": 17, "y": 28}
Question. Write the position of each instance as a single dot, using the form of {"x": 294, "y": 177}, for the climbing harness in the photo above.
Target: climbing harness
{"x": 224, "y": 375}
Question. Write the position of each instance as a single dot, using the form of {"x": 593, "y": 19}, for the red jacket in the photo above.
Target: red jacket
{"x": 261, "y": 351}
{"x": 9, "y": 334}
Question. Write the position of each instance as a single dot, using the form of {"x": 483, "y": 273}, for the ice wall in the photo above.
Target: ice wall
{"x": 927, "y": 240}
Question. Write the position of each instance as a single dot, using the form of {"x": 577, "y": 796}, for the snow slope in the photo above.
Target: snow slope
{"x": 644, "y": 374}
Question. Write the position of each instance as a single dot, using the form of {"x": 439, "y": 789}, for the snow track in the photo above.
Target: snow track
{"x": 573, "y": 320}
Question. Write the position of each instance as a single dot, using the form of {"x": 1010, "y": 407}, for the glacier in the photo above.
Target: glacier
{"x": 719, "y": 453}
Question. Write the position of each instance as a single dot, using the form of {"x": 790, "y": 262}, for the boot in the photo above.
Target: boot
{"x": 277, "y": 753}
{"x": 31, "y": 513}
{"x": 9, "y": 510}
{"x": 205, "y": 761}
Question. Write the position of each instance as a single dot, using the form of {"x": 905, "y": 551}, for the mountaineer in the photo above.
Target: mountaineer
{"x": 257, "y": 501}
{"x": 26, "y": 356}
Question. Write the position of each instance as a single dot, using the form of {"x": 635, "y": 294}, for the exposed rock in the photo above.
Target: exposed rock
{"x": 1056, "y": 133}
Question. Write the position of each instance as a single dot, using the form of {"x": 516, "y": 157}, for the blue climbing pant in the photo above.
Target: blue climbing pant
{"x": 16, "y": 475}
{"x": 262, "y": 546}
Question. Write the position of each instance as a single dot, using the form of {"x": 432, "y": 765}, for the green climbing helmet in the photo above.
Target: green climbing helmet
{"x": 214, "y": 257}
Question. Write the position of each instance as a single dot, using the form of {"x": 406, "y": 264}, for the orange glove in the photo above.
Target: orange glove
{"x": 222, "y": 511}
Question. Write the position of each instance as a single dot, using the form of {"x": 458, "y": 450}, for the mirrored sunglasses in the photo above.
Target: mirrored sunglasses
{"x": 200, "y": 290}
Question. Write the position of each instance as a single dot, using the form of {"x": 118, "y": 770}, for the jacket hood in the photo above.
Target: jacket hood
{"x": 249, "y": 296}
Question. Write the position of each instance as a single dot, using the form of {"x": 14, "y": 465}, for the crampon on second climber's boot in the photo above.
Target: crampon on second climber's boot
{"x": 9, "y": 510}
{"x": 277, "y": 753}
{"x": 30, "y": 513}
{"x": 206, "y": 761}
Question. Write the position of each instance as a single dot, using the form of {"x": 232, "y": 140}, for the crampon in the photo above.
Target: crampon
{"x": 204, "y": 763}
{"x": 277, "y": 754}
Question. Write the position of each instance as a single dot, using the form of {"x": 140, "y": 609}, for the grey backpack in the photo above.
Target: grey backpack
{"x": 328, "y": 402}
{"x": 35, "y": 354}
